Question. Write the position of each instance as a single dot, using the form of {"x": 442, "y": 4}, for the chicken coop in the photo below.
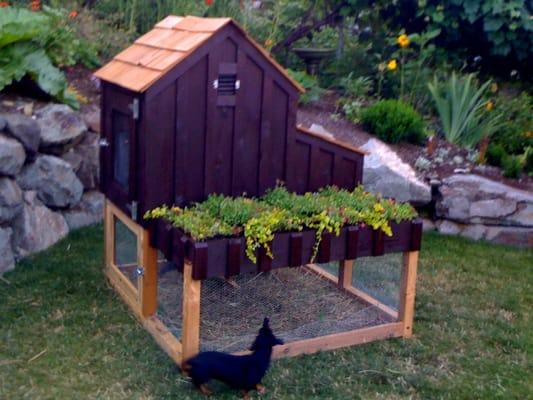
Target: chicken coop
{"x": 196, "y": 107}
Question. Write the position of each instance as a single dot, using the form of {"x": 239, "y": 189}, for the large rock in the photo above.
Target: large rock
{"x": 10, "y": 199}
{"x": 36, "y": 227}
{"x": 89, "y": 211}
{"x": 89, "y": 153}
{"x": 61, "y": 128}
{"x": 92, "y": 119}
{"x": 384, "y": 172}
{"x": 25, "y": 130}
{"x": 12, "y": 156}
{"x": 473, "y": 199}
{"x": 7, "y": 259}
{"x": 54, "y": 180}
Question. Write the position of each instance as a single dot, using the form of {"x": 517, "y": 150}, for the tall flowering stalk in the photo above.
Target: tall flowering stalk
{"x": 403, "y": 41}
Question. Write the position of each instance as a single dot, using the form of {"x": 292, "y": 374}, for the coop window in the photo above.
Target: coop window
{"x": 121, "y": 149}
{"x": 226, "y": 84}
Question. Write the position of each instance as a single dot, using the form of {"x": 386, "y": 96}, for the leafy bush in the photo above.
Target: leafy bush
{"x": 516, "y": 130}
{"x": 496, "y": 154}
{"x": 512, "y": 167}
{"x": 32, "y": 42}
{"x": 352, "y": 109}
{"x": 312, "y": 89}
{"x": 527, "y": 161}
{"x": 464, "y": 114}
{"x": 279, "y": 210}
{"x": 394, "y": 121}
{"x": 356, "y": 87}
{"x": 487, "y": 27}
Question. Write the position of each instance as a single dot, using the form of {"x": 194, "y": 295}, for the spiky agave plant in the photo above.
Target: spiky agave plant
{"x": 462, "y": 109}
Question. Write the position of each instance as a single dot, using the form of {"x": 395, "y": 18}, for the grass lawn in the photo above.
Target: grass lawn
{"x": 64, "y": 334}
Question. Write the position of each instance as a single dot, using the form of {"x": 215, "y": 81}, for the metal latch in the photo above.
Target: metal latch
{"x": 134, "y": 107}
{"x": 103, "y": 142}
{"x": 133, "y": 207}
{"x": 139, "y": 271}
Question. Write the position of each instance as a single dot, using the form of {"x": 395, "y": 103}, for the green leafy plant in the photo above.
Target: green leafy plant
{"x": 527, "y": 160}
{"x": 279, "y": 210}
{"x": 512, "y": 167}
{"x": 464, "y": 114}
{"x": 356, "y": 87}
{"x": 515, "y": 132}
{"x": 312, "y": 89}
{"x": 352, "y": 109}
{"x": 394, "y": 121}
{"x": 496, "y": 154}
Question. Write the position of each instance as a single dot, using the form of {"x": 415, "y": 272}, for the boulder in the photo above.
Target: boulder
{"x": 89, "y": 153}
{"x": 89, "y": 211}
{"x": 61, "y": 128}
{"x": 25, "y": 129}
{"x": 448, "y": 228}
{"x": 54, "y": 180}
{"x": 7, "y": 259}
{"x": 73, "y": 158}
{"x": 384, "y": 172}
{"x": 10, "y": 199}
{"x": 36, "y": 227}
{"x": 12, "y": 156}
{"x": 92, "y": 119}
{"x": 473, "y": 199}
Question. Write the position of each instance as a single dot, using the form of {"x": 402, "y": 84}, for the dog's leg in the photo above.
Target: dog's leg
{"x": 260, "y": 388}
{"x": 205, "y": 390}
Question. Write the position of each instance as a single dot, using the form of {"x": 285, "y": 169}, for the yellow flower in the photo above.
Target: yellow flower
{"x": 528, "y": 134}
{"x": 381, "y": 67}
{"x": 494, "y": 87}
{"x": 392, "y": 65}
{"x": 489, "y": 106}
{"x": 269, "y": 42}
{"x": 403, "y": 40}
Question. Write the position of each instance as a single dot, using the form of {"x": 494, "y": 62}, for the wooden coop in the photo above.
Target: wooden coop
{"x": 196, "y": 107}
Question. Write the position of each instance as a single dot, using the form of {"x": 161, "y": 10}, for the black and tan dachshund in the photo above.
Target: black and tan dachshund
{"x": 239, "y": 372}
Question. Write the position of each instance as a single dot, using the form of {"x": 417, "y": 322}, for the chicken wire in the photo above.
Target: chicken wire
{"x": 300, "y": 304}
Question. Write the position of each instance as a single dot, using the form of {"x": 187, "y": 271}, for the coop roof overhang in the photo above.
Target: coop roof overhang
{"x": 171, "y": 41}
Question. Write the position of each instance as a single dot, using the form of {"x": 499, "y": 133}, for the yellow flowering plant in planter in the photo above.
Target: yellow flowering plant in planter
{"x": 279, "y": 210}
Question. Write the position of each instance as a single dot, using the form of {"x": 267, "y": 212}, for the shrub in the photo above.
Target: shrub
{"x": 462, "y": 109}
{"x": 34, "y": 44}
{"x": 527, "y": 161}
{"x": 516, "y": 130}
{"x": 310, "y": 83}
{"x": 394, "y": 121}
{"x": 512, "y": 167}
{"x": 496, "y": 154}
{"x": 356, "y": 87}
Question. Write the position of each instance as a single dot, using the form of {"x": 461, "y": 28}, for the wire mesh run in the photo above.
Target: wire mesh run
{"x": 300, "y": 304}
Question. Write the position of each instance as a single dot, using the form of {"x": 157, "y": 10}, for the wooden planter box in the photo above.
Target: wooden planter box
{"x": 225, "y": 257}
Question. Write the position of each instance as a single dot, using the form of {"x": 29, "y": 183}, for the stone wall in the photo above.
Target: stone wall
{"x": 479, "y": 208}
{"x": 48, "y": 178}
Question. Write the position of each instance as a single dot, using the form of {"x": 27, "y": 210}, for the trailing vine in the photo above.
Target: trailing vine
{"x": 258, "y": 219}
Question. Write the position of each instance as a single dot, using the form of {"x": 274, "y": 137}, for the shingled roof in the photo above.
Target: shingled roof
{"x": 161, "y": 49}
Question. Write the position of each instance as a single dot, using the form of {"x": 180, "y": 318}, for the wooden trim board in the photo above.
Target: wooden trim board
{"x": 408, "y": 291}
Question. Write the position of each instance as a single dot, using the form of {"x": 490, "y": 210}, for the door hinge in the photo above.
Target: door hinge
{"x": 135, "y": 108}
{"x": 140, "y": 271}
{"x": 133, "y": 207}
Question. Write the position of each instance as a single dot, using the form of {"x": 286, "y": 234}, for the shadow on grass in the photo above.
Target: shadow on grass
{"x": 65, "y": 334}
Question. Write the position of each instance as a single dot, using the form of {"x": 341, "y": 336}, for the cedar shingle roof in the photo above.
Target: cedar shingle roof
{"x": 158, "y": 51}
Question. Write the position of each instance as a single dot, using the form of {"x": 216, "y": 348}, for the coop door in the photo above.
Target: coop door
{"x": 121, "y": 113}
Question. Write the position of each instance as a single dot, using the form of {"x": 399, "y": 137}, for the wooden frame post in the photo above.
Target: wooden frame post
{"x": 148, "y": 281}
{"x": 345, "y": 273}
{"x": 190, "y": 334}
{"x": 408, "y": 291}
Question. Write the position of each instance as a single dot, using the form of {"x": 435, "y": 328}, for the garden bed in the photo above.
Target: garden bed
{"x": 225, "y": 257}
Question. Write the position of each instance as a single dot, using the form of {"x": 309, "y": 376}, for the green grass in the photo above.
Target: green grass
{"x": 473, "y": 335}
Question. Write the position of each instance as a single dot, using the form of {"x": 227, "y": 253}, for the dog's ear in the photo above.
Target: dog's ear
{"x": 265, "y": 323}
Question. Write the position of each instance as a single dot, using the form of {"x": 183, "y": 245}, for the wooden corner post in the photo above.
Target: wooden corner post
{"x": 345, "y": 274}
{"x": 148, "y": 280}
{"x": 408, "y": 291}
{"x": 190, "y": 336}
